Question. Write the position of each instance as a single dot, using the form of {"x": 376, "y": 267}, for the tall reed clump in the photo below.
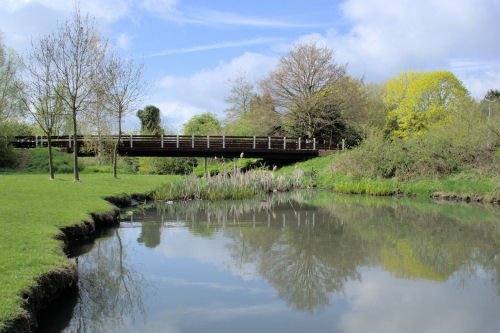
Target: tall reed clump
{"x": 222, "y": 186}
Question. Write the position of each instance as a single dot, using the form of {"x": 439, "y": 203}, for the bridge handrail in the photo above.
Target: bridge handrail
{"x": 196, "y": 141}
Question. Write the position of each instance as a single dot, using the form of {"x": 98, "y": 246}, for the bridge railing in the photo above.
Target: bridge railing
{"x": 184, "y": 142}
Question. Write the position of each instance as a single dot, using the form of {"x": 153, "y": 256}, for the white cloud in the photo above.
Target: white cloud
{"x": 45, "y": 15}
{"x": 185, "y": 96}
{"x": 382, "y": 303}
{"x": 158, "y": 6}
{"x": 227, "y": 18}
{"x": 214, "y": 46}
{"x": 123, "y": 41}
{"x": 108, "y": 9}
{"x": 388, "y": 36}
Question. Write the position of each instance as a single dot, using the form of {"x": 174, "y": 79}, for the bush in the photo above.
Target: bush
{"x": 458, "y": 144}
{"x": 167, "y": 165}
{"x": 8, "y": 156}
{"x": 38, "y": 161}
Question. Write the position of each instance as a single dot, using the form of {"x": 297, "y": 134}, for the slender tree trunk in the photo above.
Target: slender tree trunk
{"x": 115, "y": 151}
{"x": 99, "y": 143}
{"x": 76, "y": 176}
{"x": 51, "y": 165}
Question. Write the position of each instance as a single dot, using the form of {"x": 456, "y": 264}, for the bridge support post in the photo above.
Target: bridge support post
{"x": 299, "y": 142}
{"x": 162, "y": 141}
{"x": 269, "y": 142}
{"x": 205, "y": 163}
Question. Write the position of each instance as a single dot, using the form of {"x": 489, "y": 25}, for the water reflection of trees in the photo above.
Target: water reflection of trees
{"x": 307, "y": 245}
{"x": 110, "y": 290}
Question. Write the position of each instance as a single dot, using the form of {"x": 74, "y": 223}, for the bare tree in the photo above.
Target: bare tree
{"x": 10, "y": 83}
{"x": 75, "y": 45}
{"x": 240, "y": 98}
{"x": 39, "y": 96}
{"x": 124, "y": 78}
{"x": 99, "y": 120}
{"x": 300, "y": 77}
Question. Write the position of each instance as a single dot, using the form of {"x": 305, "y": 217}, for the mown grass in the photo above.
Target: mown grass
{"x": 32, "y": 209}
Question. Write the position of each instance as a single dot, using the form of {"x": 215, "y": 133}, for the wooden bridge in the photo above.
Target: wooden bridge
{"x": 269, "y": 148}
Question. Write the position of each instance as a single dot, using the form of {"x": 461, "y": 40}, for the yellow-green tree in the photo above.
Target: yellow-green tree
{"x": 418, "y": 100}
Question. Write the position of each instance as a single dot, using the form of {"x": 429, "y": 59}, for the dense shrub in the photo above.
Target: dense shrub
{"x": 8, "y": 156}
{"x": 167, "y": 165}
{"x": 461, "y": 142}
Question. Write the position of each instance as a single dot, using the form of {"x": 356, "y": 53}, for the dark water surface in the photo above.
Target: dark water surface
{"x": 302, "y": 262}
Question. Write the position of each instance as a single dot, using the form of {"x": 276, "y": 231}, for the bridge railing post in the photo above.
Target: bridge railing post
{"x": 284, "y": 143}
{"x": 36, "y": 141}
{"x": 192, "y": 141}
{"x": 162, "y": 141}
{"x": 299, "y": 142}
{"x": 208, "y": 141}
{"x": 254, "y": 145}
{"x": 131, "y": 141}
{"x": 314, "y": 143}
{"x": 269, "y": 142}
{"x": 177, "y": 141}
{"x": 343, "y": 144}
{"x": 223, "y": 142}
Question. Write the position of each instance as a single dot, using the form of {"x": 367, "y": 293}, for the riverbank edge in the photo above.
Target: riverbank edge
{"x": 63, "y": 279}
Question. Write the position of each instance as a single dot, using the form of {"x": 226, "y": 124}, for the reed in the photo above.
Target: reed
{"x": 237, "y": 185}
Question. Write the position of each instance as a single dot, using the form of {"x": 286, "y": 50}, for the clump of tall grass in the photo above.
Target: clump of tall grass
{"x": 223, "y": 186}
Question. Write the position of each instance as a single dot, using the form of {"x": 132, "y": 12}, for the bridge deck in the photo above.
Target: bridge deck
{"x": 181, "y": 145}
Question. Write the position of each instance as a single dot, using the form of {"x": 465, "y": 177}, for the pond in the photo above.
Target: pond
{"x": 306, "y": 261}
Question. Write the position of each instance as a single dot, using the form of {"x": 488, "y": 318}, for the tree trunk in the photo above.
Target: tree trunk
{"x": 76, "y": 176}
{"x": 115, "y": 151}
{"x": 99, "y": 143}
{"x": 51, "y": 165}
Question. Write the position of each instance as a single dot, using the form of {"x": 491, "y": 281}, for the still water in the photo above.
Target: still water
{"x": 301, "y": 262}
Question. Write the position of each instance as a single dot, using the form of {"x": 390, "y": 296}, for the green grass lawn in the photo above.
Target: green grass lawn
{"x": 32, "y": 209}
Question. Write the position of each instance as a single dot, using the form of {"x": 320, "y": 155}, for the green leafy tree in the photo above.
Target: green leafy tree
{"x": 203, "y": 124}
{"x": 150, "y": 118}
{"x": 419, "y": 100}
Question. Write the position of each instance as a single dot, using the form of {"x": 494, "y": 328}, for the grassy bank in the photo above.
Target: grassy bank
{"x": 320, "y": 172}
{"x": 32, "y": 211}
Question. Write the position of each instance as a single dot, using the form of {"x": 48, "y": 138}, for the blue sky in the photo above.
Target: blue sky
{"x": 193, "y": 49}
